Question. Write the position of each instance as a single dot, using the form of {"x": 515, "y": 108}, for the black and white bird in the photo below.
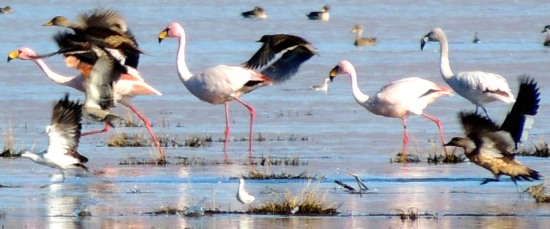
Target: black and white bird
{"x": 323, "y": 14}
{"x": 242, "y": 194}
{"x": 257, "y": 12}
{"x": 64, "y": 135}
{"x": 547, "y": 39}
{"x": 493, "y": 147}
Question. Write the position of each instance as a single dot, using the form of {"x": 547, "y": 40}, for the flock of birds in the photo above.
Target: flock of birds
{"x": 103, "y": 49}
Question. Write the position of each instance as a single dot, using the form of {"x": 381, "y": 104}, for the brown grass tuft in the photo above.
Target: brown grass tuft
{"x": 537, "y": 192}
{"x": 451, "y": 158}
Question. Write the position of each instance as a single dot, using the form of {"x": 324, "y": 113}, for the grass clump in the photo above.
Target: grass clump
{"x": 267, "y": 161}
{"x": 410, "y": 158}
{"x": 84, "y": 213}
{"x": 9, "y": 149}
{"x": 450, "y": 158}
{"x": 165, "y": 211}
{"x": 127, "y": 140}
{"x": 256, "y": 175}
{"x": 412, "y": 214}
{"x": 199, "y": 161}
{"x": 307, "y": 202}
{"x": 142, "y": 161}
{"x": 538, "y": 193}
{"x": 540, "y": 150}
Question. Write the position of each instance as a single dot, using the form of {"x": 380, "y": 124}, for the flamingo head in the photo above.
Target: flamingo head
{"x": 434, "y": 35}
{"x": 174, "y": 29}
{"x": 344, "y": 67}
{"x": 23, "y": 53}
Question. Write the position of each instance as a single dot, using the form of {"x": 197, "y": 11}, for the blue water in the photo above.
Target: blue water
{"x": 343, "y": 137}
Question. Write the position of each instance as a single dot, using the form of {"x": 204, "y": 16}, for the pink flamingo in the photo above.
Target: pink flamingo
{"x": 128, "y": 86}
{"x": 222, "y": 83}
{"x": 398, "y": 99}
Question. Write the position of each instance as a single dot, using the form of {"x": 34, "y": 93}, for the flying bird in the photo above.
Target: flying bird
{"x": 63, "y": 135}
{"x": 493, "y": 147}
{"x": 477, "y": 86}
{"x": 398, "y": 99}
{"x": 222, "y": 83}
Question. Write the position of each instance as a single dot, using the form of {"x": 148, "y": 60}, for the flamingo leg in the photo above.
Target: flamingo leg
{"x": 227, "y": 130}
{"x": 440, "y": 126}
{"x": 252, "y": 114}
{"x": 105, "y": 129}
{"x": 405, "y": 139}
{"x": 148, "y": 126}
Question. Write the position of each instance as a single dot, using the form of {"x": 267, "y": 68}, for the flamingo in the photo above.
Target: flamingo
{"x": 360, "y": 40}
{"x": 398, "y": 99}
{"x": 64, "y": 135}
{"x": 323, "y": 14}
{"x": 128, "y": 86}
{"x": 257, "y": 12}
{"x": 222, "y": 83}
{"x": 547, "y": 39}
{"x": 478, "y": 87}
{"x": 242, "y": 194}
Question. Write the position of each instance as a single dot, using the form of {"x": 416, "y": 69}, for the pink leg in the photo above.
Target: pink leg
{"x": 227, "y": 130}
{"x": 148, "y": 126}
{"x": 105, "y": 129}
{"x": 405, "y": 138}
{"x": 440, "y": 126}
{"x": 252, "y": 114}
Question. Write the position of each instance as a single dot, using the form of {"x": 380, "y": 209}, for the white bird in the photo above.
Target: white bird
{"x": 398, "y": 99}
{"x": 547, "y": 39}
{"x": 221, "y": 84}
{"x": 242, "y": 194}
{"x": 64, "y": 135}
{"x": 321, "y": 87}
{"x": 478, "y": 87}
{"x": 323, "y": 14}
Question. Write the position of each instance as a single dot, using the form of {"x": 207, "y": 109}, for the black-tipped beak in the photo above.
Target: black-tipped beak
{"x": 423, "y": 42}
{"x": 163, "y": 35}
{"x": 13, "y": 54}
{"x": 333, "y": 72}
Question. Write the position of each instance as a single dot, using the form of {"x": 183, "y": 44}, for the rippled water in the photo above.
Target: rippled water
{"x": 339, "y": 136}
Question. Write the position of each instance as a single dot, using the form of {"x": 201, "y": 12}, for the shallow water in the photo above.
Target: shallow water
{"x": 341, "y": 137}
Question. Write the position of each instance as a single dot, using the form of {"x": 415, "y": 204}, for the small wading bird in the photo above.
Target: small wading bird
{"x": 478, "y": 87}
{"x": 63, "y": 135}
{"x": 221, "y": 84}
{"x": 476, "y": 39}
{"x": 398, "y": 99}
{"x": 323, "y": 14}
{"x": 547, "y": 39}
{"x": 359, "y": 39}
{"x": 242, "y": 194}
{"x": 321, "y": 87}
{"x": 493, "y": 147}
{"x": 257, "y": 12}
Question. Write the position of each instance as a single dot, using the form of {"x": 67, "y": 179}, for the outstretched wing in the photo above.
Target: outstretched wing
{"x": 64, "y": 130}
{"x": 288, "y": 64}
{"x": 273, "y": 45}
{"x": 486, "y": 134}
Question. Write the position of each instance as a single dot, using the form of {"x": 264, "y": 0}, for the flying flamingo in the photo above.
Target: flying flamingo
{"x": 63, "y": 135}
{"x": 127, "y": 87}
{"x": 478, "y": 87}
{"x": 398, "y": 99}
{"x": 222, "y": 83}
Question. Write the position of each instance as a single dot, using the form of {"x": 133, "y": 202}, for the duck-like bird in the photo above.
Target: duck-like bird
{"x": 359, "y": 39}
{"x": 323, "y": 14}
{"x": 64, "y": 135}
{"x": 493, "y": 147}
{"x": 221, "y": 84}
{"x": 478, "y": 87}
{"x": 257, "y": 12}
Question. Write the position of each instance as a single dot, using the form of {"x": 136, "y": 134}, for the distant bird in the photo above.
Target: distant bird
{"x": 242, "y": 194}
{"x": 128, "y": 86}
{"x": 321, "y": 87}
{"x": 257, "y": 12}
{"x": 221, "y": 84}
{"x": 6, "y": 10}
{"x": 320, "y": 15}
{"x": 547, "y": 39}
{"x": 104, "y": 28}
{"x": 359, "y": 39}
{"x": 398, "y": 99}
{"x": 476, "y": 39}
{"x": 64, "y": 135}
{"x": 478, "y": 87}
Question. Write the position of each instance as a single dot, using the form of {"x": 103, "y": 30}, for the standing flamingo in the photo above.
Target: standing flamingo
{"x": 222, "y": 83}
{"x": 398, "y": 99}
{"x": 478, "y": 87}
{"x": 127, "y": 87}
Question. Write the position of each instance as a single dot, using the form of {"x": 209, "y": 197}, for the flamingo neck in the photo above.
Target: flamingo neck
{"x": 183, "y": 71}
{"x": 444, "y": 65}
{"x": 57, "y": 78}
{"x": 359, "y": 96}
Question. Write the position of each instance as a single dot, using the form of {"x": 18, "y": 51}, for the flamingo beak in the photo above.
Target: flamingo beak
{"x": 334, "y": 72}
{"x": 14, "y": 54}
{"x": 423, "y": 42}
{"x": 163, "y": 35}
